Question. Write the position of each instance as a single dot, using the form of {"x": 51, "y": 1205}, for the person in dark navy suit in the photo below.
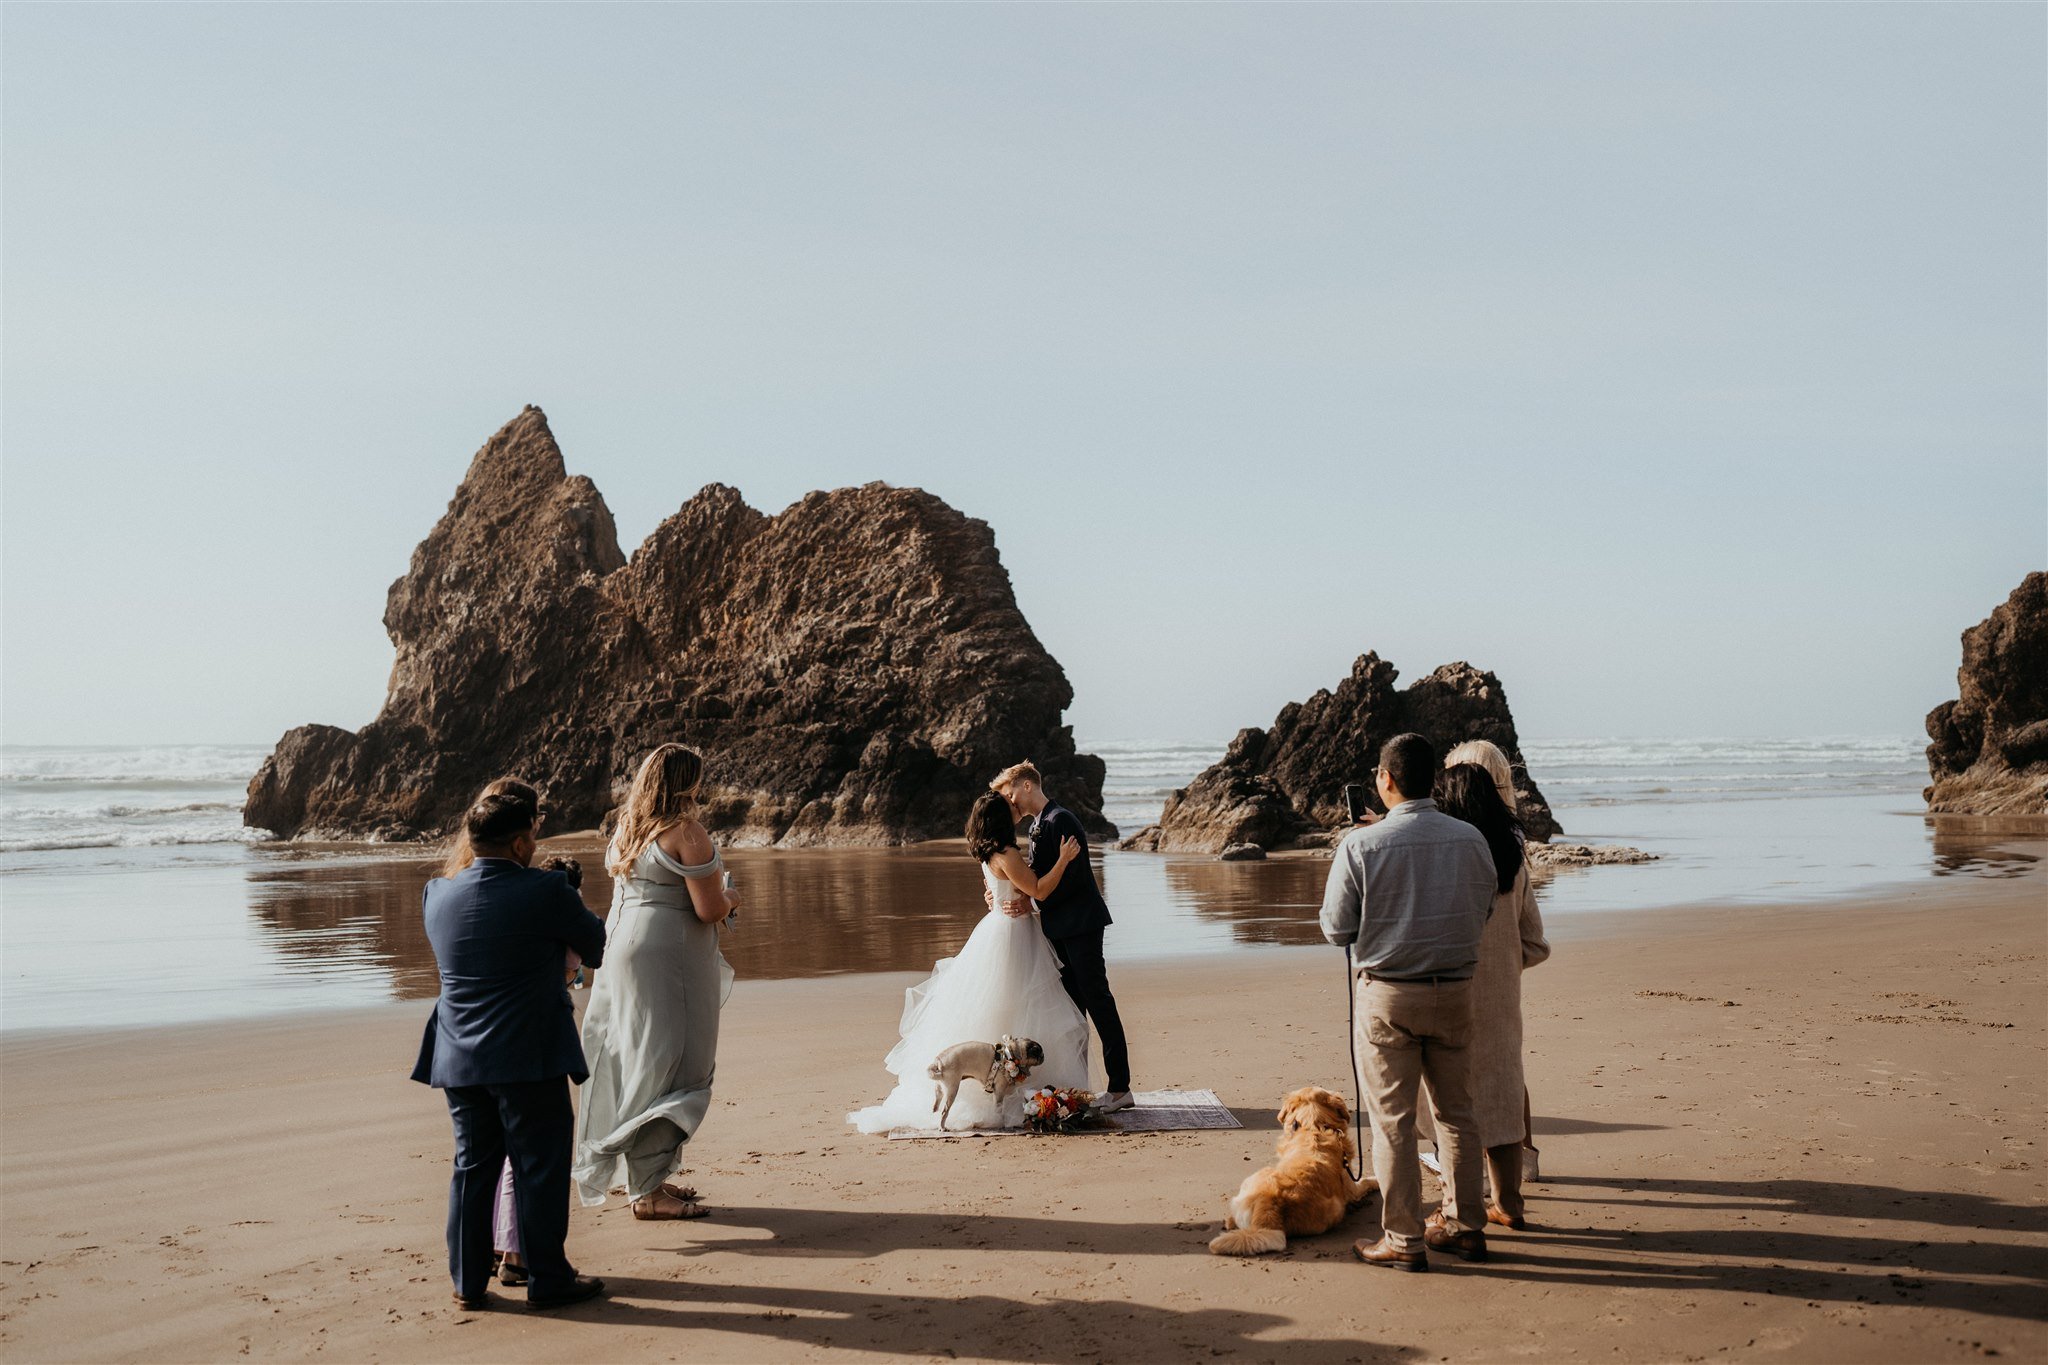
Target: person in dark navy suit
{"x": 502, "y": 1045}
{"x": 1073, "y": 918}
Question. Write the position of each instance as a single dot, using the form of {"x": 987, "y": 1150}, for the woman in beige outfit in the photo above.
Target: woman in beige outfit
{"x": 1471, "y": 790}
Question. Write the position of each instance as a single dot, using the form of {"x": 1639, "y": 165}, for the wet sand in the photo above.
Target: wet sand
{"x": 149, "y": 937}
{"x": 1810, "y": 1134}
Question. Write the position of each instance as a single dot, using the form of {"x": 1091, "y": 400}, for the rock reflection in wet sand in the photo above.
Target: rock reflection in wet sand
{"x": 1986, "y": 845}
{"x": 1275, "y": 901}
{"x": 825, "y": 912}
{"x": 805, "y": 912}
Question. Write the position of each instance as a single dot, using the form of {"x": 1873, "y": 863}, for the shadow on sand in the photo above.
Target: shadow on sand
{"x": 982, "y": 1325}
{"x": 1977, "y": 1274}
{"x": 1259, "y": 1120}
{"x": 1576, "y": 1127}
{"x": 1576, "y": 1241}
{"x": 856, "y": 1234}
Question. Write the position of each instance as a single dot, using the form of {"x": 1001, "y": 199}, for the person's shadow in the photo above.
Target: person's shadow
{"x": 859, "y": 1234}
{"x": 1815, "y": 1199}
{"x": 1807, "y": 1260}
{"x": 982, "y": 1325}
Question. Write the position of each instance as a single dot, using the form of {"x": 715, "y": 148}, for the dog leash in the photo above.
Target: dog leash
{"x": 1357, "y": 1082}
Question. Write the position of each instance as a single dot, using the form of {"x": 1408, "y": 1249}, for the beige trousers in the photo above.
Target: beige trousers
{"x": 1406, "y": 1031}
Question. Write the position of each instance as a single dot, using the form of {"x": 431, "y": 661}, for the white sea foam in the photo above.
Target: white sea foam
{"x": 134, "y": 839}
{"x": 1596, "y": 771}
{"x": 144, "y": 765}
{"x": 80, "y": 797}
{"x": 121, "y": 810}
{"x": 147, "y": 796}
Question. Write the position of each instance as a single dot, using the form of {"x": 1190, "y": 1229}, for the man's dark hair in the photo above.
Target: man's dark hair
{"x": 495, "y": 821}
{"x": 1409, "y": 762}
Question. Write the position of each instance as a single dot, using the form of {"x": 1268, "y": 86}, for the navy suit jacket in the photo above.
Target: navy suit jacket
{"x": 504, "y": 1015}
{"x": 1075, "y": 905}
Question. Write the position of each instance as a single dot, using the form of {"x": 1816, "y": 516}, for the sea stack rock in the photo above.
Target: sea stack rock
{"x": 1990, "y": 749}
{"x": 854, "y": 669}
{"x": 1285, "y": 784}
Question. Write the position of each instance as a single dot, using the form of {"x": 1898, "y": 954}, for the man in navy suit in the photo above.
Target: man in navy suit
{"x": 1073, "y": 917}
{"x": 502, "y": 1043}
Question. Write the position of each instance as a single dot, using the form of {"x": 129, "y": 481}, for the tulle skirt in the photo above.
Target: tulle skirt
{"x": 1005, "y": 980}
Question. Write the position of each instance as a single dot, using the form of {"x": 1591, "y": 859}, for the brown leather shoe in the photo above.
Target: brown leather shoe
{"x": 1466, "y": 1246}
{"x": 1385, "y": 1253}
{"x": 478, "y": 1304}
{"x": 1501, "y": 1218}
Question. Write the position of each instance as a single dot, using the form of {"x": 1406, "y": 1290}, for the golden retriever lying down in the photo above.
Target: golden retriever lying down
{"x": 1308, "y": 1190}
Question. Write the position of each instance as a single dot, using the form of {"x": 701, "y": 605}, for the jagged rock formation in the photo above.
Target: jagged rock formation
{"x": 1284, "y": 785}
{"x": 1990, "y": 749}
{"x": 853, "y": 669}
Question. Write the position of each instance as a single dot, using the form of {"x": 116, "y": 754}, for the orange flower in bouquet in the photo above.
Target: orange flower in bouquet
{"x": 1060, "y": 1111}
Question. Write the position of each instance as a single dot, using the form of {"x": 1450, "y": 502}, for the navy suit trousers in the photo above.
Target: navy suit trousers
{"x": 533, "y": 1123}
{"x": 1086, "y": 977}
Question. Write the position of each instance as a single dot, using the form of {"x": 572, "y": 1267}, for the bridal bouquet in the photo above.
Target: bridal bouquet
{"x": 1059, "y": 1111}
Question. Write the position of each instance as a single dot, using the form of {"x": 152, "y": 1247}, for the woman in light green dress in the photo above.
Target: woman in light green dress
{"x": 650, "y": 1031}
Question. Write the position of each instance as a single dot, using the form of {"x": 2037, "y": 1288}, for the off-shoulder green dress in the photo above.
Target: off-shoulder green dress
{"x": 650, "y": 1031}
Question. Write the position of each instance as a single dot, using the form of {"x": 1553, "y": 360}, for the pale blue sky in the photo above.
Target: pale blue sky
{"x": 1682, "y": 364}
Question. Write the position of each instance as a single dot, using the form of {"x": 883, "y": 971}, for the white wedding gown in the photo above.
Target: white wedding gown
{"x": 1005, "y": 980}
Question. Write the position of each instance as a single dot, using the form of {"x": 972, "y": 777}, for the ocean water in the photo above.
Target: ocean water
{"x": 1745, "y": 820}
{"x": 130, "y": 894}
{"x": 57, "y": 799}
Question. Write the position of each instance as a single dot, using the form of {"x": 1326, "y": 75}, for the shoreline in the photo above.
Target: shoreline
{"x": 1571, "y": 924}
{"x": 1844, "y": 1164}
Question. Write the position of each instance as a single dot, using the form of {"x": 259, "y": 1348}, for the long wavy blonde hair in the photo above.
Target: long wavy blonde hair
{"x": 664, "y": 794}
{"x": 460, "y": 854}
{"x": 1484, "y": 753}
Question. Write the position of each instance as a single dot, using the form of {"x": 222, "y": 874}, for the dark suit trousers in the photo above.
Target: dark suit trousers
{"x": 533, "y": 1124}
{"x": 1086, "y": 977}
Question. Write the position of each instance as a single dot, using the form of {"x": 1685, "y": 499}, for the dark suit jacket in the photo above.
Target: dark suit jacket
{"x": 504, "y": 1015}
{"x": 1076, "y": 905}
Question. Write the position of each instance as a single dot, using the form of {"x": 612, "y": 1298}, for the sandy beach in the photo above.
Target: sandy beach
{"x": 1806, "y": 1134}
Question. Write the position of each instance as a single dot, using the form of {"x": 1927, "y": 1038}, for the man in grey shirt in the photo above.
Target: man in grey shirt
{"x": 1409, "y": 895}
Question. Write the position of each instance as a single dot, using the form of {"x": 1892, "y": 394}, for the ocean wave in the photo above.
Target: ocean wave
{"x": 161, "y": 838}
{"x": 1625, "y": 753}
{"x": 1591, "y": 771}
{"x": 120, "y": 810}
{"x": 149, "y": 765}
{"x": 1636, "y": 779}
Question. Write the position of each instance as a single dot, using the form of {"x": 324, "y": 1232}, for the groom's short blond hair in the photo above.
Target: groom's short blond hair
{"x": 1016, "y": 772}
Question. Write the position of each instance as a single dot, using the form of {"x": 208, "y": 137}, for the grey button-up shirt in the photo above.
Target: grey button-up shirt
{"x": 1411, "y": 894}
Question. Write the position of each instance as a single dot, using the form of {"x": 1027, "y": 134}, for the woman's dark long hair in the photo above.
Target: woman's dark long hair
{"x": 990, "y": 827}
{"x": 1466, "y": 790}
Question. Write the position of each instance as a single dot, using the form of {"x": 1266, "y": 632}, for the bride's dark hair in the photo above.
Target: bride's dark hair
{"x": 990, "y": 827}
{"x": 1468, "y": 791}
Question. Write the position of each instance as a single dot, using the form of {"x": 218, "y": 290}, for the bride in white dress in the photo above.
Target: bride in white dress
{"x": 1005, "y": 980}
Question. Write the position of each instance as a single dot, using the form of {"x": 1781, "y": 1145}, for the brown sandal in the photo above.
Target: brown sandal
{"x": 651, "y": 1208}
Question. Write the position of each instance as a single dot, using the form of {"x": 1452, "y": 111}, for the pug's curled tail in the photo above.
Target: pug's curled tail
{"x": 1248, "y": 1242}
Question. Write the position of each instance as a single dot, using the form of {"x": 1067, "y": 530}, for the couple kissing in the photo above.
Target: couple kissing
{"x": 1032, "y": 969}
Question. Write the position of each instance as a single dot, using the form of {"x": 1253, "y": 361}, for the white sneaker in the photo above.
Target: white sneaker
{"x": 1532, "y": 1168}
{"x": 1432, "y": 1164}
{"x": 1113, "y": 1102}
